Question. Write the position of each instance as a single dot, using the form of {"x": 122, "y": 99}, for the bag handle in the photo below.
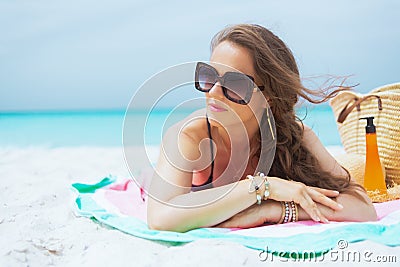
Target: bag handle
{"x": 347, "y": 109}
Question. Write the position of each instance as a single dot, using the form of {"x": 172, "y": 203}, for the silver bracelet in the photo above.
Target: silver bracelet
{"x": 253, "y": 187}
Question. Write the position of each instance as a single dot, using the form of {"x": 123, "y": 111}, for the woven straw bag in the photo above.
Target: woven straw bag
{"x": 383, "y": 103}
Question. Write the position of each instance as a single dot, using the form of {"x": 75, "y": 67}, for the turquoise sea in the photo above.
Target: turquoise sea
{"x": 104, "y": 127}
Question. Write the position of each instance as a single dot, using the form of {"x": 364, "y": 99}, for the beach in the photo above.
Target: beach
{"x": 82, "y": 80}
{"x": 38, "y": 226}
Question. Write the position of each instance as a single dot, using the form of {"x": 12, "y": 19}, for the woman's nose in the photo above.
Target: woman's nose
{"x": 216, "y": 91}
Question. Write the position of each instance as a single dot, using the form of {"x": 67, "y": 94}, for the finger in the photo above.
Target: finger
{"x": 326, "y": 192}
{"x": 323, "y": 199}
{"x": 319, "y": 215}
{"x": 309, "y": 207}
{"x": 306, "y": 202}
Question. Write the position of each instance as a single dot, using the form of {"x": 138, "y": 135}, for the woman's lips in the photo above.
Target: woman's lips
{"x": 216, "y": 108}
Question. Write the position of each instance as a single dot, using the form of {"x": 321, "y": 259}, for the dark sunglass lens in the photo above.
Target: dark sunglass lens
{"x": 206, "y": 78}
{"x": 238, "y": 87}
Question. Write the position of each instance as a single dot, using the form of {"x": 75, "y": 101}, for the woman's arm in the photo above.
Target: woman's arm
{"x": 172, "y": 206}
{"x": 355, "y": 208}
{"x": 271, "y": 211}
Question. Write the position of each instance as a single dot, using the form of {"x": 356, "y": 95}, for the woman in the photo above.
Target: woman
{"x": 304, "y": 182}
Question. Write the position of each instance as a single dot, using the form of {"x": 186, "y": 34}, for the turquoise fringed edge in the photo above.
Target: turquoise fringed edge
{"x": 295, "y": 246}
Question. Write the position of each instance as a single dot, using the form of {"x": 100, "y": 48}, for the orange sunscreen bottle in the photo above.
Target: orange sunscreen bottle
{"x": 373, "y": 178}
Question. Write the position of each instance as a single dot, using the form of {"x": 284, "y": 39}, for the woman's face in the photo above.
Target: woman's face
{"x": 228, "y": 56}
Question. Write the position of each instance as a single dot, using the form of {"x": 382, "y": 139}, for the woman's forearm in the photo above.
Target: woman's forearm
{"x": 354, "y": 209}
{"x": 200, "y": 209}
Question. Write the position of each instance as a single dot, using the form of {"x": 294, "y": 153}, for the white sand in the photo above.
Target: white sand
{"x": 38, "y": 228}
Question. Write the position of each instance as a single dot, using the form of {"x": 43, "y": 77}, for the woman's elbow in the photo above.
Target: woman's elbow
{"x": 162, "y": 221}
{"x": 359, "y": 208}
{"x": 163, "y": 227}
{"x": 154, "y": 224}
{"x": 370, "y": 213}
{"x": 158, "y": 226}
{"x": 366, "y": 213}
{"x": 155, "y": 221}
{"x": 366, "y": 210}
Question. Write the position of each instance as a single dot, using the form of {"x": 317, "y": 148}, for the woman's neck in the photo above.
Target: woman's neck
{"x": 234, "y": 136}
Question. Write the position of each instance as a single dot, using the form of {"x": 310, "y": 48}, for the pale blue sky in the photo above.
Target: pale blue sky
{"x": 94, "y": 54}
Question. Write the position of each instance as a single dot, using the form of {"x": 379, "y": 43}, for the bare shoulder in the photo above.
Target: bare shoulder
{"x": 309, "y": 135}
{"x": 186, "y": 135}
{"x": 315, "y": 146}
{"x": 193, "y": 127}
{"x": 312, "y": 142}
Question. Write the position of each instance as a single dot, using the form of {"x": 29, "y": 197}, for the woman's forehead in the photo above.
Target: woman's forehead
{"x": 228, "y": 56}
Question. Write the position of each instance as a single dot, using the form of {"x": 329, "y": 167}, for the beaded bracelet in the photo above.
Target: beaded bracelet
{"x": 288, "y": 213}
{"x": 295, "y": 212}
{"x": 283, "y": 213}
{"x": 256, "y": 187}
{"x": 266, "y": 184}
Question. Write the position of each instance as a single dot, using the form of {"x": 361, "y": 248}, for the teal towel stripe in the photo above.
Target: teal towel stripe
{"x": 91, "y": 188}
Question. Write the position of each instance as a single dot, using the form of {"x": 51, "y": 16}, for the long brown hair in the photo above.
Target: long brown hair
{"x": 276, "y": 67}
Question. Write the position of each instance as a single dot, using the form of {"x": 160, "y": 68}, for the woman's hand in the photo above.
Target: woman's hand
{"x": 306, "y": 196}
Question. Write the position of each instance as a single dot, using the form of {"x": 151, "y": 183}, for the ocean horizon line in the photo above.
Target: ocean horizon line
{"x": 117, "y": 111}
{"x": 120, "y": 110}
{"x": 105, "y": 126}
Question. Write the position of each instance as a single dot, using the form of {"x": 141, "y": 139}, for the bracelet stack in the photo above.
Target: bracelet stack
{"x": 256, "y": 182}
{"x": 290, "y": 212}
